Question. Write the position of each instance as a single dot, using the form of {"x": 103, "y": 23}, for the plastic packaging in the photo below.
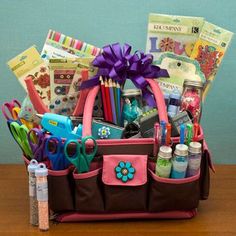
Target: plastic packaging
{"x": 42, "y": 196}
{"x": 180, "y": 162}
{"x": 163, "y": 165}
{"x": 32, "y": 193}
{"x": 194, "y": 158}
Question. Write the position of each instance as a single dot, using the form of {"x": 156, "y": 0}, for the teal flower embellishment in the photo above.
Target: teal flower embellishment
{"x": 104, "y": 132}
{"x": 124, "y": 171}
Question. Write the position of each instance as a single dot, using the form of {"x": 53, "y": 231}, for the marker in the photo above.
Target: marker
{"x": 163, "y": 133}
{"x": 196, "y": 128}
{"x": 168, "y": 134}
{"x": 189, "y": 133}
{"x": 156, "y": 138}
{"x": 182, "y": 133}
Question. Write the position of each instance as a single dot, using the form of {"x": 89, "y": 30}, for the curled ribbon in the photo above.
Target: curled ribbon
{"x": 118, "y": 63}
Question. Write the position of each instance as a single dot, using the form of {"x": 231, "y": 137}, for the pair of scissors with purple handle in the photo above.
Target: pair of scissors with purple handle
{"x": 55, "y": 152}
{"x": 37, "y": 141}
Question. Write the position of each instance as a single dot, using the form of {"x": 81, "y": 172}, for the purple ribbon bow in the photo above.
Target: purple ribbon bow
{"x": 119, "y": 64}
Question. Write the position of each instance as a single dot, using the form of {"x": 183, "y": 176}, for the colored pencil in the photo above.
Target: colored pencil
{"x": 108, "y": 100}
{"x": 113, "y": 106}
{"x": 116, "y": 102}
{"x": 119, "y": 103}
{"x": 104, "y": 104}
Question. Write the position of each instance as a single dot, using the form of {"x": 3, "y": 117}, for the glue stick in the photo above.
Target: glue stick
{"x": 42, "y": 196}
{"x": 32, "y": 192}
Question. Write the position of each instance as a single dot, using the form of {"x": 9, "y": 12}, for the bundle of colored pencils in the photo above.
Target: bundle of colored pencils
{"x": 111, "y": 100}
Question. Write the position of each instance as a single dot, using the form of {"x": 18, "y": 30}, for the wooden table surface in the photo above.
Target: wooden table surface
{"x": 216, "y": 216}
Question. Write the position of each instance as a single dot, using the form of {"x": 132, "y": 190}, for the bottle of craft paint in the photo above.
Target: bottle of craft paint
{"x": 163, "y": 165}
{"x": 174, "y": 103}
{"x": 194, "y": 158}
{"x": 42, "y": 196}
{"x": 192, "y": 99}
{"x": 180, "y": 162}
{"x": 33, "y": 165}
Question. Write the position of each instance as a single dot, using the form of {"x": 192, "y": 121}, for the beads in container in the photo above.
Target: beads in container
{"x": 33, "y": 165}
{"x": 42, "y": 196}
{"x": 191, "y": 99}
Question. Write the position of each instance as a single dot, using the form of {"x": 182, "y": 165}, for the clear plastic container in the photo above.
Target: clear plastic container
{"x": 180, "y": 162}
{"x": 194, "y": 158}
{"x": 163, "y": 165}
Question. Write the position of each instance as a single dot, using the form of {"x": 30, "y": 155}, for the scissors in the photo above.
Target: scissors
{"x": 14, "y": 108}
{"x": 37, "y": 141}
{"x": 56, "y": 156}
{"x": 19, "y": 133}
{"x": 81, "y": 159}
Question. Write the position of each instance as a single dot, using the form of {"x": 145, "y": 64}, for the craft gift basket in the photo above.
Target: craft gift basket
{"x": 98, "y": 194}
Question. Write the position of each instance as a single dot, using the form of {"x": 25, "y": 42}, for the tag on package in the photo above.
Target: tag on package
{"x": 177, "y": 34}
{"x": 180, "y": 68}
{"x": 29, "y": 63}
{"x": 58, "y": 45}
{"x": 209, "y": 51}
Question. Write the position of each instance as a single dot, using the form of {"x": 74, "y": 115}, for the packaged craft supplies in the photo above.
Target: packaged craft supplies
{"x": 177, "y": 34}
{"x": 180, "y": 68}
{"x": 65, "y": 77}
{"x": 29, "y": 63}
{"x": 58, "y": 45}
{"x": 209, "y": 51}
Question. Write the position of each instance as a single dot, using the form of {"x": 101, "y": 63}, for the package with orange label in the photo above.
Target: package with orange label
{"x": 209, "y": 51}
{"x": 176, "y": 34}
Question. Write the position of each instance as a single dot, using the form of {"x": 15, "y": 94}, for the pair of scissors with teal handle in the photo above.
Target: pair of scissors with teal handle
{"x": 80, "y": 158}
{"x": 19, "y": 133}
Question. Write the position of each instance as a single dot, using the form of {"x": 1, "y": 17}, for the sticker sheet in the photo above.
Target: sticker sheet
{"x": 177, "y": 34}
{"x": 29, "y": 63}
{"x": 209, "y": 51}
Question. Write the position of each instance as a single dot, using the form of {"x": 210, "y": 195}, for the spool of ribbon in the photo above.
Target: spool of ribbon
{"x": 118, "y": 63}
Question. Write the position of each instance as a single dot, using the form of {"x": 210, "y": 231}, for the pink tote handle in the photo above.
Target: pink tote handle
{"x": 88, "y": 109}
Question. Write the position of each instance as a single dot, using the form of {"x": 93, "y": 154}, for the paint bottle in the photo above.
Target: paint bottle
{"x": 163, "y": 165}
{"x": 194, "y": 158}
{"x": 174, "y": 103}
{"x": 42, "y": 196}
{"x": 180, "y": 162}
{"x": 33, "y": 165}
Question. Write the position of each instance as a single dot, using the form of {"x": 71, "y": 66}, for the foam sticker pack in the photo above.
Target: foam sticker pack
{"x": 29, "y": 63}
{"x": 177, "y": 34}
{"x": 209, "y": 51}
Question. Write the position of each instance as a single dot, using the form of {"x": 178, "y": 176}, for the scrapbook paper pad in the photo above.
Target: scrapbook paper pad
{"x": 29, "y": 63}
{"x": 58, "y": 45}
{"x": 168, "y": 33}
{"x": 209, "y": 51}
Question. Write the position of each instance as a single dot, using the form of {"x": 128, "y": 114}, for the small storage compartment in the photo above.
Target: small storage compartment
{"x": 173, "y": 194}
{"x": 60, "y": 190}
{"x": 88, "y": 190}
{"x": 125, "y": 182}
